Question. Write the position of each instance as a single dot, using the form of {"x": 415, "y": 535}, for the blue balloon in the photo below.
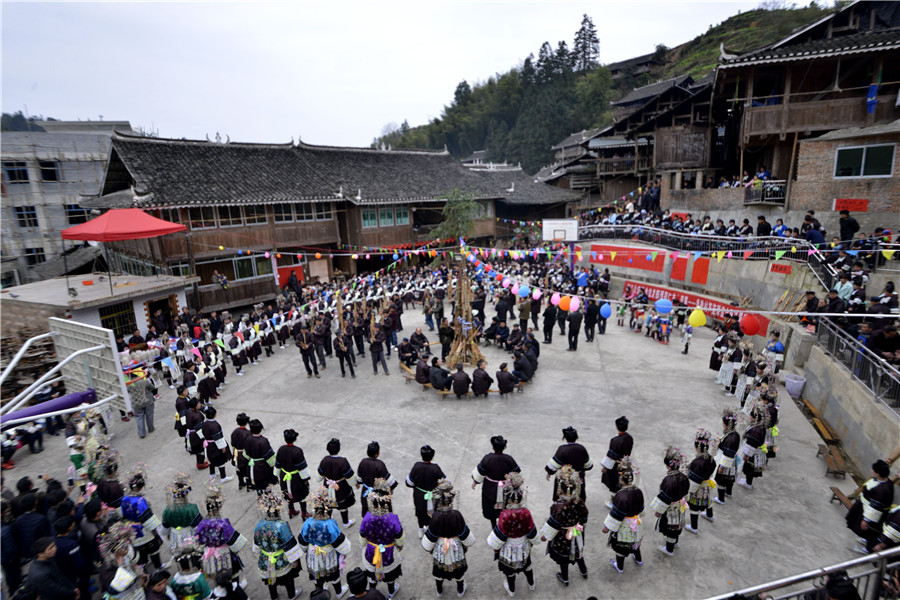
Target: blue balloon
{"x": 649, "y": 257}
{"x": 663, "y": 306}
{"x": 396, "y": 256}
{"x": 524, "y": 291}
{"x": 606, "y": 311}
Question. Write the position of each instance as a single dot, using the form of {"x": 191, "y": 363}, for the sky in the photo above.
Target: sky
{"x": 332, "y": 73}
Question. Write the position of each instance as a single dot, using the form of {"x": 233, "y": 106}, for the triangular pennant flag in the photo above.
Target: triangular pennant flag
{"x": 888, "y": 254}
{"x": 219, "y": 343}
{"x": 779, "y": 254}
{"x": 272, "y": 321}
{"x": 168, "y": 362}
{"x": 256, "y": 327}
{"x": 853, "y": 252}
{"x": 811, "y": 252}
{"x": 748, "y": 254}
{"x": 675, "y": 255}
{"x": 578, "y": 254}
{"x": 613, "y": 254}
{"x": 593, "y": 255}
{"x": 196, "y": 353}
{"x": 240, "y": 335}
{"x": 697, "y": 254}
{"x": 720, "y": 255}
{"x": 653, "y": 255}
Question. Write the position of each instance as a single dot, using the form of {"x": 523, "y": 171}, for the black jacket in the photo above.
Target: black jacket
{"x": 49, "y": 582}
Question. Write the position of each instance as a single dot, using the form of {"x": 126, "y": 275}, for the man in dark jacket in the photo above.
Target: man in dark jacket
{"x": 461, "y": 381}
{"x": 523, "y": 370}
{"x": 69, "y": 557}
{"x": 591, "y": 316}
{"x": 445, "y": 335}
{"x": 502, "y": 307}
{"x": 30, "y": 525}
{"x": 440, "y": 378}
{"x": 423, "y": 371}
{"x": 575, "y": 318}
{"x": 849, "y": 226}
{"x": 763, "y": 228}
{"x": 44, "y": 574}
{"x": 506, "y": 381}
{"x": 514, "y": 337}
{"x": 501, "y": 335}
{"x": 481, "y": 381}
{"x": 549, "y": 322}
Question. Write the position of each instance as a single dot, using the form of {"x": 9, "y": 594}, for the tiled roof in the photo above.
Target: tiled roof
{"x": 519, "y": 188}
{"x": 654, "y": 89}
{"x": 190, "y": 173}
{"x": 475, "y": 156}
{"x": 56, "y": 267}
{"x": 870, "y": 41}
{"x": 576, "y": 139}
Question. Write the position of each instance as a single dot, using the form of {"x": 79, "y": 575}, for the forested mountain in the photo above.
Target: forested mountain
{"x": 518, "y": 115}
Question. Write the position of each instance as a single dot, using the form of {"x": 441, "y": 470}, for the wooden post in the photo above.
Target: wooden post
{"x": 790, "y": 177}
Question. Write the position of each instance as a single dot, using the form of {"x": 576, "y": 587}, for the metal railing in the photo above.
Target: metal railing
{"x": 866, "y": 573}
{"x": 772, "y": 191}
{"x": 882, "y": 379}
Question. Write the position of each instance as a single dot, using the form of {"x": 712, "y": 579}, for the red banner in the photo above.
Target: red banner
{"x": 709, "y": 305}
{"x": 783, "y": 269}
{"x": 629, "y": 257}
{"x": 851, "y": 204}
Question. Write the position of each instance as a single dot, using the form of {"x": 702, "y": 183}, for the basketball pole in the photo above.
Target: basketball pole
{"x": 572, "y": 257}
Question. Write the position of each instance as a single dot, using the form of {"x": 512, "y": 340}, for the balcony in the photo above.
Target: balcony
{"x": 766, "y": 192}
{"x": 816, "y": 116}
{"x": 623, "y": 166}
{"x": 243, "y": 292}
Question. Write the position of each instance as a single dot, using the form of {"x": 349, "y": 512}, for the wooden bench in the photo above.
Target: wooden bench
{"x": 823, "y": 450}
{"x": 812, "y": 409}
{"x": 825, "y": 431}
{"x": 837, "y": 494}
{"x": 832, "y": 460}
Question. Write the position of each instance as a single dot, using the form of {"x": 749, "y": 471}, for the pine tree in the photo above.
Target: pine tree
{"x": 586, "y": 49}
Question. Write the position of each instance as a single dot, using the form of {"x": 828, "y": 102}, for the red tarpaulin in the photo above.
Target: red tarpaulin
{"x": 121, "y": 224}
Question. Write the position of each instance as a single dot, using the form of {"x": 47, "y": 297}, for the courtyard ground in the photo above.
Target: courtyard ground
{"x": 784, "y": 526}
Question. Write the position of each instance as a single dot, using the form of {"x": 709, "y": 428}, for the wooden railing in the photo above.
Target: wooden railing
{"x": 819, "y": 115}
{"x": 623, "y": 165}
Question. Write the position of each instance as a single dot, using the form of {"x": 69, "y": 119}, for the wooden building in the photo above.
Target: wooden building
{"x": 840, "y": 72}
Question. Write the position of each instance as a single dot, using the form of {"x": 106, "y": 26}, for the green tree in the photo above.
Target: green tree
{"x": 586, "y": 49}
{"x": 458, "y": 214}
{"x": 593, "y": 91}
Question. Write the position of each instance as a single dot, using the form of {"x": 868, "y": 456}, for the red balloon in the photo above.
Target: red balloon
{"x": 749, "y": 324}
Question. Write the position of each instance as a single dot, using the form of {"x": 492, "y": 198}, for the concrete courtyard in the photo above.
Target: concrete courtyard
{"x": 784, "y": 526}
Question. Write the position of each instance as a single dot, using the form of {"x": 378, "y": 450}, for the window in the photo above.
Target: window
{"x": 263, "y": 265}
{"x": 304, "y": 212}
{"x": 170, "y": 214}
{"x": 202, "y": 218}
{"x": 15, "y": 171}
{"x": 243, "y": 268}
{"x": 34, "y": 256}
{"x": 386, "y": 214}
{"x": 255, "y": 215}
{"x": 119, "y": 317}
{"x": 230, "y": 216}
{"x": 26, "y": 216}
{"x": 369, "y": 217}
{"x": 323, "y": 211}
{"x": 284, "y": 213}
{"x": 49, "y": 170}
{"x": 485, "y": 209}
{"x": 75, "y": 214}
{"x": 865, "y": 161}
{"x": 401, "y": 215}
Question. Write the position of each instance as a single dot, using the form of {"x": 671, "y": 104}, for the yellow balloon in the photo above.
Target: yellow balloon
{"x": 697, "y": 318}
{"x": 221, "y": 247}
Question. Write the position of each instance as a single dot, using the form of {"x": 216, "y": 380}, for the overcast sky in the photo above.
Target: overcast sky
{"x": 332, "y": 72}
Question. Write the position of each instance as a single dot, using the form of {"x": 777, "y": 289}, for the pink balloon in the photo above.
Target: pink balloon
{"x": 554, "y": 299}
{"x": 536, "y": 294}
{"x": 575, "y": 303}
{"x": 506, "y": 282}
{"x": 515, "y": 289}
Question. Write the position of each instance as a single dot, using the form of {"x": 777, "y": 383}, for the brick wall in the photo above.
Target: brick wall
{"x": 816, "y": 188}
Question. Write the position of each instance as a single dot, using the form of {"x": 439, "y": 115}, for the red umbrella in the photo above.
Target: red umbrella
{"x": 120, "y": 224}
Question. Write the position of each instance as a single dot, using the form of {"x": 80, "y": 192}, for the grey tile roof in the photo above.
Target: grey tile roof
{"x": 870, "y": 41}
{"x": 191, "y": 173}
{"x": 56, "y": 267}
{"x": 477, "y": 155}
{"x": 576, "y": 139}
{"x": 654, "y": 89}
{"x": 520, "y": 188}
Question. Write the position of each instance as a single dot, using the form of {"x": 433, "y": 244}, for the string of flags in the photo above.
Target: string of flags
{"x": 521, "y": 223}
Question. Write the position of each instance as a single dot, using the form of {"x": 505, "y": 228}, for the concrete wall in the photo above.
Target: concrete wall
{"x": 868, "y": 429}
{"x": 731, "y": 279}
